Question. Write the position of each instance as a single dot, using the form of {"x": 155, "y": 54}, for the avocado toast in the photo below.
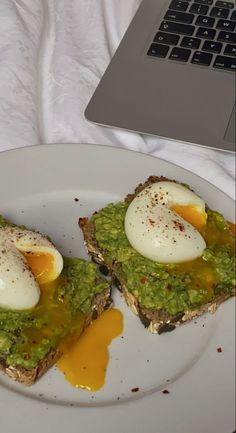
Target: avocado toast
{"x": 31, "y": 339}
{"x": 163, "y": 295}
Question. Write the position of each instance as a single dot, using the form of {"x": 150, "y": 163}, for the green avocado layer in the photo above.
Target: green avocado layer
{"x": 174, "y": 288}
{"x": 26, "y": 337}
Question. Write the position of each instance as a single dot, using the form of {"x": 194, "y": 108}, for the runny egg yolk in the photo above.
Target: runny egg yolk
{"x": 191, "y": 214}
{"x": 41, "y": 265}
{"x": 84, "y": 364}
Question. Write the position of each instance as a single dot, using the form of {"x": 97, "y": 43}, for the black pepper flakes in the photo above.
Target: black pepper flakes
{"x": 219, "y": 349}
{"x": 165, "y": 391}
{"x": 135, "y": 389}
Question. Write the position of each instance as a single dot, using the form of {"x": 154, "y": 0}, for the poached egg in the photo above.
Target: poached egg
{"x": 27, "y": 260}
{"x": 163, "y": 221}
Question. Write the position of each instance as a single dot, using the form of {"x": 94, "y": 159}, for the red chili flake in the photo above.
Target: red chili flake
{"x": 165, "y": 391}
{"x": 143, "y": 280}
{"x": 219, "y": 349}
{"x": 76, "y": 199}
{"x": 178, "y": 225}
{"x": 135, "y": 389}
{"x": 152, "y": 222}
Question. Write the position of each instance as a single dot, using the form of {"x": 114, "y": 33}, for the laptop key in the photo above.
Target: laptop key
{"x": 206, "y": 33}
{"x": 223, "y": 4}
{"x": 227, "y": 37}
{"x": 213, "y": 47}
{"x": 223, "y": 62}
{"x": 219, "y": 12}
{"x": 226, "y": 25}
{"x": 233, "y": 16}
{"x": 204, "y": 2}
{"x": 230, "y": 50}
{"x": 158, "y": 50}
{"x": 205, "y": 21}
{"x": 190, "y": 42}
{"x": 182, "y": 29}
{"x": 182, "y": 17}
{"x": 199, "y": 9}
{"x": 179, "y": 5}
{"x": 180, "y": 54}
{"x": 200, "y": 58}
{"x": 166, "y": 38}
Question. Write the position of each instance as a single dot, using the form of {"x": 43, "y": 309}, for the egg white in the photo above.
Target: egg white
{"x": 159, "y": 233}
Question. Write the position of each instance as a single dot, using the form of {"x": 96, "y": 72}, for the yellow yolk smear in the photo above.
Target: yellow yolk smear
{"x": 41, "y": 265}
{"x": 191, "y": 214}
{"x": 84, "y": 364}
{"x": 57, "y": 313}
{"x": 204, "y": 277}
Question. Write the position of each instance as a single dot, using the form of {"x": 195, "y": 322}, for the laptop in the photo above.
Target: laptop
{"x": 173, "y": 74}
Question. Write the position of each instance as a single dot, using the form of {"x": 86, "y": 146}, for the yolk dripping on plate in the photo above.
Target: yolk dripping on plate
{"x": 84, "y": 363}
{"x": 85, "y": 357}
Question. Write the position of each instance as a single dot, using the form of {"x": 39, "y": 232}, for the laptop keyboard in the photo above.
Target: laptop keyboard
{"x": 202, "y": 32}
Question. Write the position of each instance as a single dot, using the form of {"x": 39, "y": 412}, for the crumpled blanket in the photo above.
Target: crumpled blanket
{"x": 52, "y": 56}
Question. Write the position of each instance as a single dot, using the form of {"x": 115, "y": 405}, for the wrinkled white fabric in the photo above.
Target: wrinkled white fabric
{"x": 52, "y": 55}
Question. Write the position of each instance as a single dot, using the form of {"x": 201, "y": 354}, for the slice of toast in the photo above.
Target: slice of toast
{"x": 154, "y": 319}
{"x": 28, "y": 376}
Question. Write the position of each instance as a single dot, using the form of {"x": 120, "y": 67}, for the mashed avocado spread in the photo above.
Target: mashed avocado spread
{"x": 27, "y": 336}
{"x": 174, "y": 288}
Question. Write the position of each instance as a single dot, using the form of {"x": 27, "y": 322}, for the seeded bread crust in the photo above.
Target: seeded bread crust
{"x": 156, "y": 321}
{"x": 25, "y": 376}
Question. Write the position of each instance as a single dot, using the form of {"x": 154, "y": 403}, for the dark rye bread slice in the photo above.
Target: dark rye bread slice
{"x": 156, "y": 321}
{"x": 25, "y": 376}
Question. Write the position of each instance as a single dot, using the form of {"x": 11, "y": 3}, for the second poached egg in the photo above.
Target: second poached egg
{"x": 162, "y": 223}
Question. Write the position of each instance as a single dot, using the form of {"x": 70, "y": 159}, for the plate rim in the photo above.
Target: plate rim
{"x": 76, "y": 145}
{"x": 112, "y": 148}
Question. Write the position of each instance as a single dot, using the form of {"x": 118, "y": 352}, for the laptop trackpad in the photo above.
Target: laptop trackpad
{"x": 230, "y": 131}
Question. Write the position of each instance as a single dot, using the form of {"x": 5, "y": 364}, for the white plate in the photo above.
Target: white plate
{"x": 38, "y": 186}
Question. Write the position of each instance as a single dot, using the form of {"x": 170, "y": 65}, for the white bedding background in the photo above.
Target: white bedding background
{"x": 52, "y": 55}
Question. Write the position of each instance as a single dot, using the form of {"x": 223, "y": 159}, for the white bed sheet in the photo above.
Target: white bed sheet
{"x": 52, "y": 55}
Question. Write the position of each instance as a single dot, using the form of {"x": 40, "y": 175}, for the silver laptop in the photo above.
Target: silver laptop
{"x": 173, "y": 74}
